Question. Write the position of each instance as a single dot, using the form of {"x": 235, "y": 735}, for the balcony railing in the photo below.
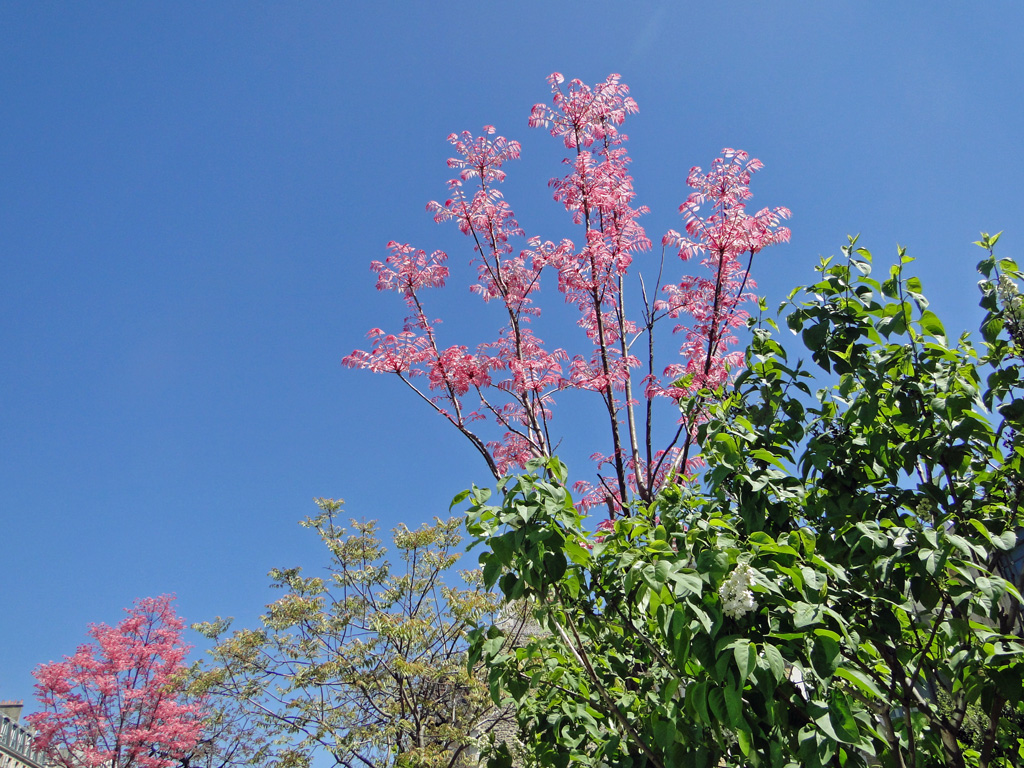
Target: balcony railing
{"x": 16, "y": 741}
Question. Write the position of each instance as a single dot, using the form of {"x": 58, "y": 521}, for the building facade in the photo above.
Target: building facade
{"x": 16, "y": 749}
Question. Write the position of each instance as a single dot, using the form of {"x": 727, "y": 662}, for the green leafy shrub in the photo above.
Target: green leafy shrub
{"x": 837, "y": 588}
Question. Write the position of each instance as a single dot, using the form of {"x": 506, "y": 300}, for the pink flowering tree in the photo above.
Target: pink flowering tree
{"x": 501, "y": 395}
{"x": 118, "y": 701}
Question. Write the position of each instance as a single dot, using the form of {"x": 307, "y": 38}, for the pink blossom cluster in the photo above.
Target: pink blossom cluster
{"x": 512, "y": 380}
{"x": 598, "y": 192}
{"x": 722, "y": 239}
{"x": 516, "y": 364}
{"x": 117, "y": 702}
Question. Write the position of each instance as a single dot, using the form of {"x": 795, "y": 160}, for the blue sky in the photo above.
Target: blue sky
{"x": 191, "y": 194}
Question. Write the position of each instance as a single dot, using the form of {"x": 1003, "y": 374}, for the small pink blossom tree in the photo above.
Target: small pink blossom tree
{"x": 118, "y": 702}
{"x": 511, "y": 381}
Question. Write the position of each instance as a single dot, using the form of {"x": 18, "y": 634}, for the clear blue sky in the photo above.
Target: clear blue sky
{"x": 191, "y": 193}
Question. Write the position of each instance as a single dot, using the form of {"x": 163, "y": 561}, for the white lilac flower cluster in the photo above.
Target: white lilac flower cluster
{"x": 737, "y": 599}
{"x": 1009, "y": 296}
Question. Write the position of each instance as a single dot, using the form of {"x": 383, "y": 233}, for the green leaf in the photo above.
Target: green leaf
{"x": 687, "y": 584}
{"x": 890, "y": 287}
{"x": 734, "y": 706}
{"x": 664, "y": 732}
{"x": 702, "y": 617}
{"x": 862, "y": 680}
{"x": 743, "y": 739}
{"x": 656, "y": 575}
{"x": 697, "y": 698}
{"x": 991, "y": 329}
{"x": 824, "y": 723}
{"x": 1005, "y": 541}
{"x": 805, "y": 614}
{"x": 775, "y": 662}
{"x": 814, "y": 335}
{"x": 716, "y": 700}
{"x": 492, "y": 567}
{"x": 762, "y": 455}
{"x": 932, "y": 325}
{"x": 824, "y": 655}
{"x": 746, "y": 657}
{"x": 841, "y": 714}
{"x": 577, "y": 553}
{"x": 503, "y": 547}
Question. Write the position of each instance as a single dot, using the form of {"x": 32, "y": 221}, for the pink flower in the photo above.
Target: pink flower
{"x": 604, "y": 528}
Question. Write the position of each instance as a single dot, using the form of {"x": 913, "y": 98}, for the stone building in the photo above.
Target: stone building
{"x": 16, "y": 749}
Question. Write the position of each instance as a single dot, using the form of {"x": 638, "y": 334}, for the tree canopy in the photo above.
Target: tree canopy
{"x": 366, "y": 663}
{"x": 118, "y": 701}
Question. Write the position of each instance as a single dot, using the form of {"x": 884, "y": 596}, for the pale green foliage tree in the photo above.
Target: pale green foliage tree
{"x": 232, "y": 736}
{"x": 367, "y": 663}
{"x": 840, "y": 587}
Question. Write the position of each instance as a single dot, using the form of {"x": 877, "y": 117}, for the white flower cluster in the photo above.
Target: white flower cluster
{"x": 737, "y": 599}
{"x": 1009, "y": 296}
